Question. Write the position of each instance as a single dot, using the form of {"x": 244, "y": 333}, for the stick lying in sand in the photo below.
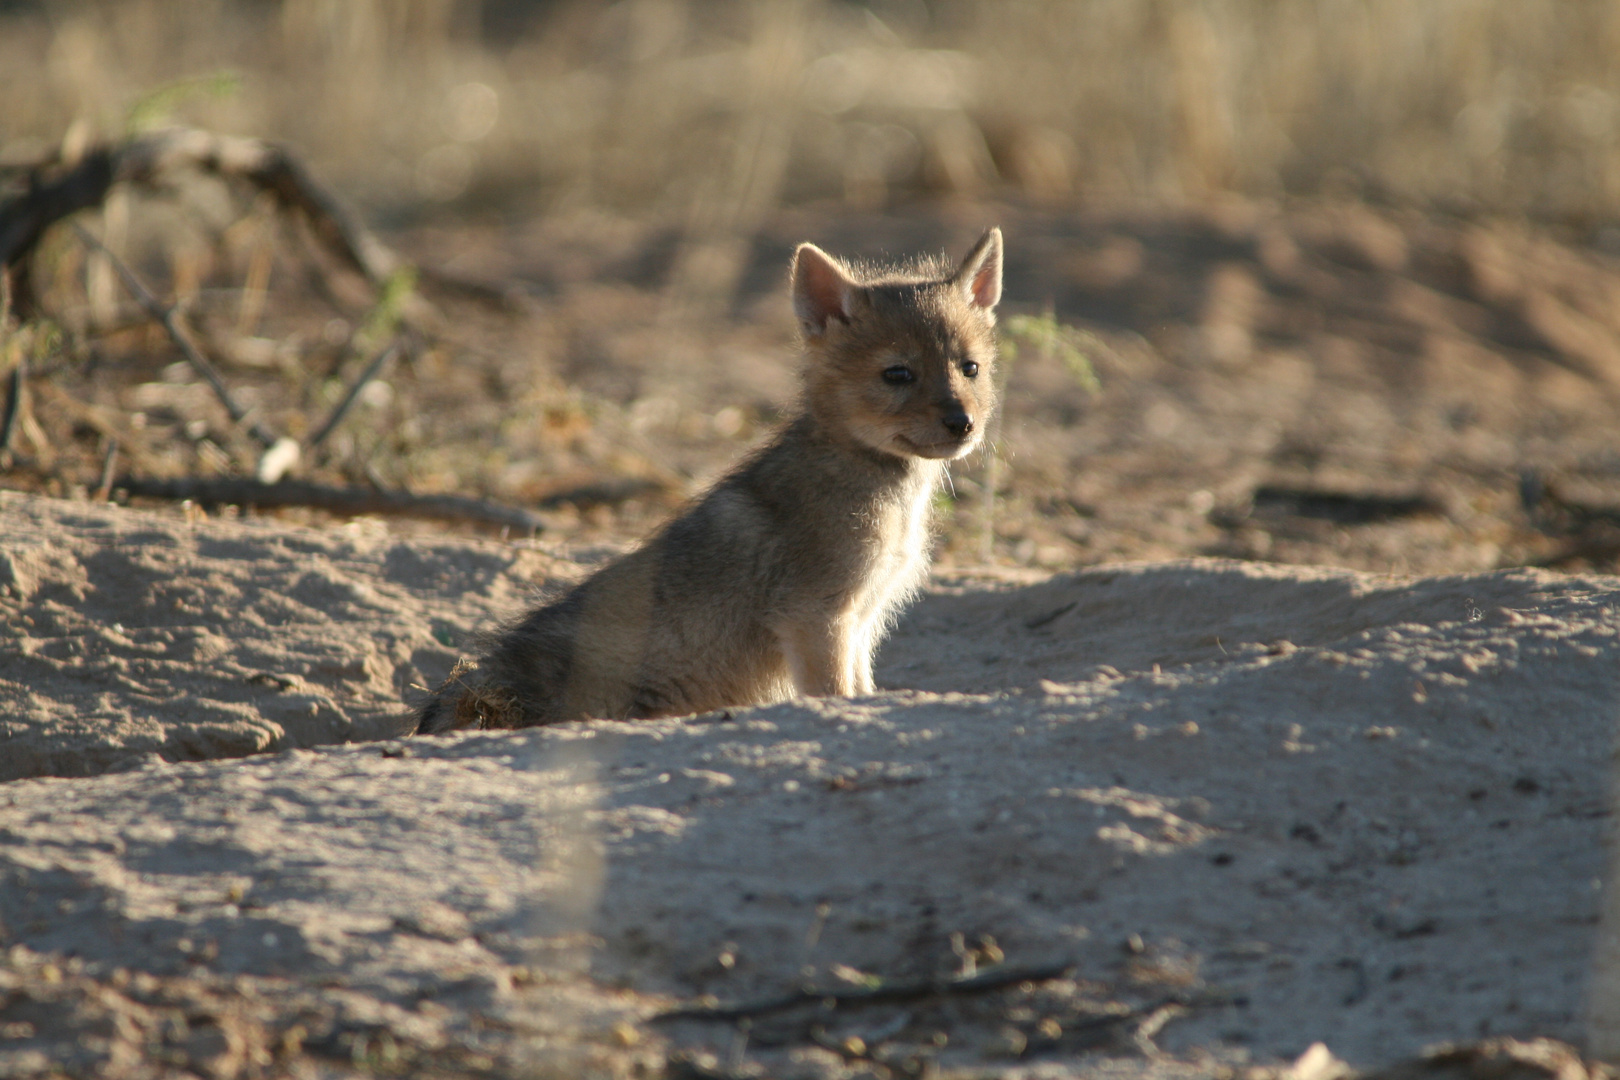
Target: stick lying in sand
{"x": 995, "y": 979}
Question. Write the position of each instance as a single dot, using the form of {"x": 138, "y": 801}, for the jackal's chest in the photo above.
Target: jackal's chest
{"x": 894, "y": 550}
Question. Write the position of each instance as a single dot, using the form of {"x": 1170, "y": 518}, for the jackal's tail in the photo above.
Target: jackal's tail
{"x": 465, "y": 701}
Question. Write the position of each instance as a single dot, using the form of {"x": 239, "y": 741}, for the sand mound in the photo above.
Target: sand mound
{"x": 133, "y": 635}
{"x": 1254, "y": 806}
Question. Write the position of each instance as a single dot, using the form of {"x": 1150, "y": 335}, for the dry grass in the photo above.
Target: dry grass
{"x": 710, "y": 113}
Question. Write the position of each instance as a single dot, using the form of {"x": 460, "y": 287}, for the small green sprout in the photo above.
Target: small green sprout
{"x": 1043, "y": 335}
{"x": 156, "y": 107}
{"x": 382, "y": 321}
{"x": 1040, "y": 335}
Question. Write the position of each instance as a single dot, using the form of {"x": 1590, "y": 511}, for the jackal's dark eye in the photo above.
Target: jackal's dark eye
{"x": 898, "y": 375}
{"x": 970, "y": 369}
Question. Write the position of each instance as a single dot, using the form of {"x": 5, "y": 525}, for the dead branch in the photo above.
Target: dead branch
{"x": 150, "y": 159}
{"x": 604, "y": 493}
{"x": 995, "y": 979}
{"x": 170, "y": 318}
{"x": 236, "y": 491}
{"x": 16, "y": 387}
{"x": 24, "y": 219}
{"x": 371, "y": 371}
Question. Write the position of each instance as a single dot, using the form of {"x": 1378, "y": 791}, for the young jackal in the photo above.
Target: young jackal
{"x": 783, "y": 579}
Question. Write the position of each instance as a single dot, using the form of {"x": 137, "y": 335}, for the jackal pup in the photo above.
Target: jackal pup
{"x": 786, "y": 575}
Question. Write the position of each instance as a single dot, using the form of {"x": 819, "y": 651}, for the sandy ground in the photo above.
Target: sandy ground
{"x": 1215, "y": 811}
{"x": 1249, "y": 806}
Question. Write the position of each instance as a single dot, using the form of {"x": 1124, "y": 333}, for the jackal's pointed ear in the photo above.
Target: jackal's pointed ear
{"x": 979, "y": 276}
{"x": 822, "y": 290}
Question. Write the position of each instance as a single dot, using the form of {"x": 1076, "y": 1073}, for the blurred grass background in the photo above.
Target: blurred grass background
{"x": 713, "y": 112}
{"x": 636, "y": 174}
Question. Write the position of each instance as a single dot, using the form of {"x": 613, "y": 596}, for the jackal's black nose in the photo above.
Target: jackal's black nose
{"x": 957, "y": 422}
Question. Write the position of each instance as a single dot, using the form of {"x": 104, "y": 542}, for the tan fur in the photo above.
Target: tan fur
{"x": 787, "y": 575}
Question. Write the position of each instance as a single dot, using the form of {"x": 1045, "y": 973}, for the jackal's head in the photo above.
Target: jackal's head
{"x": 901, "y": 360}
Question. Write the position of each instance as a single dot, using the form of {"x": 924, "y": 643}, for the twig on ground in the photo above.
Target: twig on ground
{"x": 169, "y": 317}
{"x": 994, "y": 979}
{"x": 108, "y": 463}
{"x": 16, "y": 387}
{"x": 226, "y": 491}
{"x": 603, "y": 493}
{"x": 372, "y": 370}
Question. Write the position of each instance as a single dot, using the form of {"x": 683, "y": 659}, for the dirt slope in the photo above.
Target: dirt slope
{"x": 1256, "y": 806}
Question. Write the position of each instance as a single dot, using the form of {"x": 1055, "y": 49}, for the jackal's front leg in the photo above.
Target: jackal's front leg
{"x": 863, "y": 645}
{"x": 822, "y": 658}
